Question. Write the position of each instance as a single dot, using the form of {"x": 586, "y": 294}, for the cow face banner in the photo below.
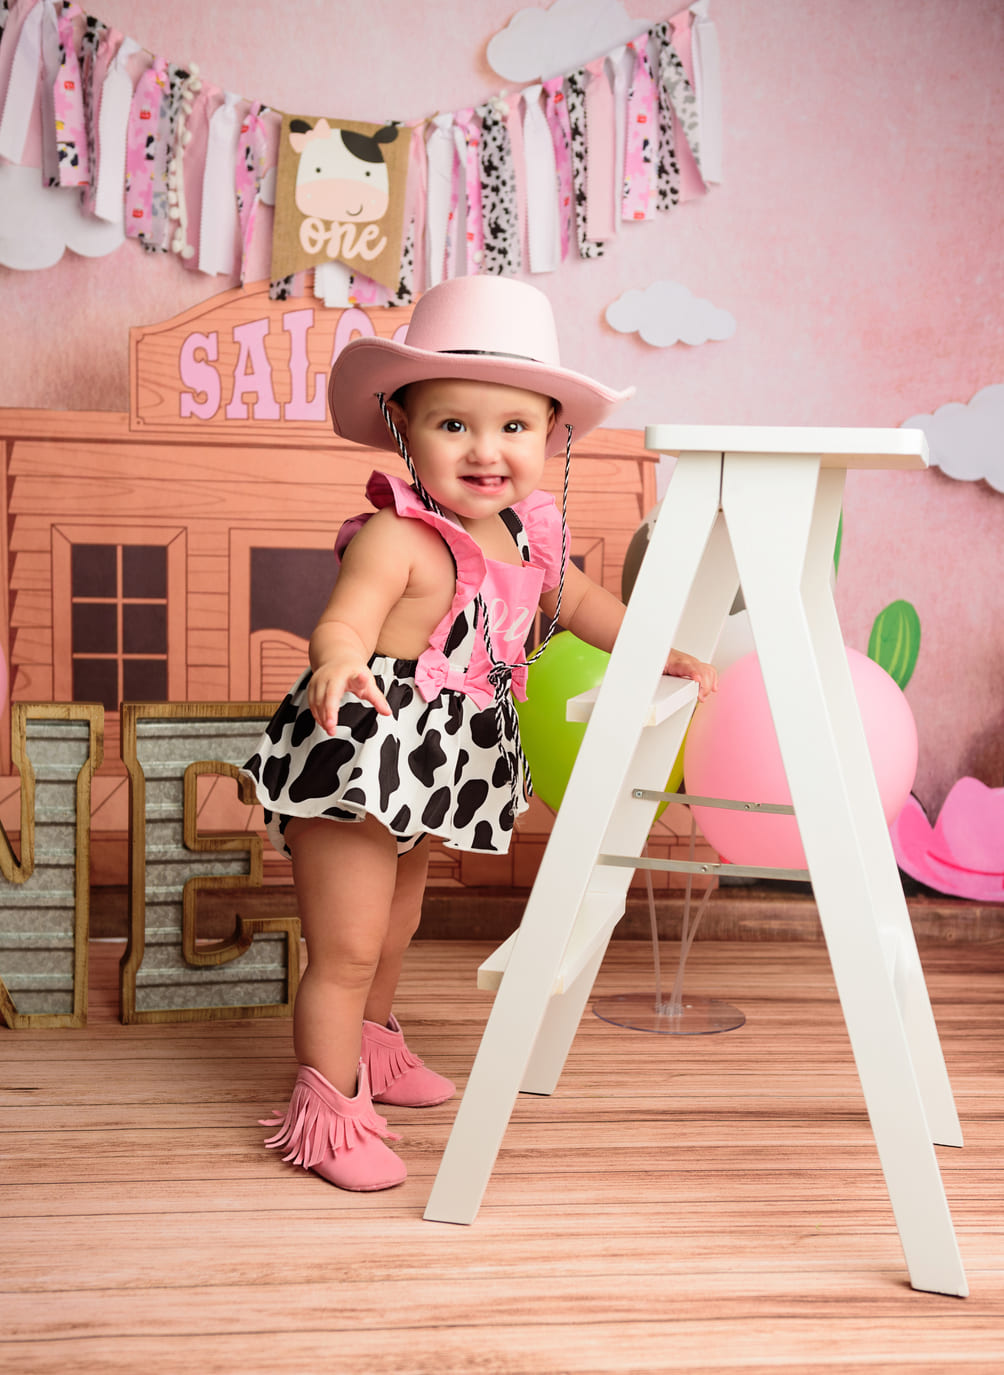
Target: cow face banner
{"x": 340, "y": 192}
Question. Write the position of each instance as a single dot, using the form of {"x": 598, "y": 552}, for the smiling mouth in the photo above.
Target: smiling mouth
{"x": 493, "y": 483}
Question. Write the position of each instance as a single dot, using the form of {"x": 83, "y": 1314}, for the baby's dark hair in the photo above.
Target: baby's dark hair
{"x": 400, "y": 398}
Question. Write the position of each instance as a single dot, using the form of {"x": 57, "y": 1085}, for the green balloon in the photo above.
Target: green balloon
{"x": 567, "y": 667}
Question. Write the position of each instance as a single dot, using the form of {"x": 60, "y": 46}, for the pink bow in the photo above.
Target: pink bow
{"x": 434, "y": 673}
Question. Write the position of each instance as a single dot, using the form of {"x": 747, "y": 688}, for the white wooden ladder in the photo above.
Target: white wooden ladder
{"x": 756, "y": 508}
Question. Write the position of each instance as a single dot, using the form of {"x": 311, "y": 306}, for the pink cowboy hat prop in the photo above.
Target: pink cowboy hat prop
{"x": 482, "y": 329}
{"x": 963, "y": 855}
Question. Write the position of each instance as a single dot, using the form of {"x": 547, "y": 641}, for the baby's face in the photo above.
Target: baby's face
{"x": 477, "y": 447}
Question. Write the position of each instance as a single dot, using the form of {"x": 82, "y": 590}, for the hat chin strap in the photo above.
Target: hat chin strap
{"x": 500, "y": 675}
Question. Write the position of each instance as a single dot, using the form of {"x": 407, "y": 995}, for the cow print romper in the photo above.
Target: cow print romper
{"x": 437, "y": 765}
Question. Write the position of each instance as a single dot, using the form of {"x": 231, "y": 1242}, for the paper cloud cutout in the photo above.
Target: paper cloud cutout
{"x": 967, "y": 441}
{"x": 538, "y": 44}
{"x": 666, "y": 313}
{"x": 39, "y": 223}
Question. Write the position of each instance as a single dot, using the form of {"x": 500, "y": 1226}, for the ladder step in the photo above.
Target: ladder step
{"x": 672, "y": 695}
{"x": 598, "y": 915}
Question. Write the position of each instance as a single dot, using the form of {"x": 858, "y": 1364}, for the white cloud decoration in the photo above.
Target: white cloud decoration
{"x": 38, "y": 223}
{"x": 967, "y": 440}
{"x": 537, "y": 44}
{"x": 666, "y": 313}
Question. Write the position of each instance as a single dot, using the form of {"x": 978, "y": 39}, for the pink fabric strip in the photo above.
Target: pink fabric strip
{"x": 641, "y": 133}
{"x": 561, "y": 137}
{"x": 250, "y": 169}
{"x": 68, "y": 104}
{"x": 474, "y": 233}
{"x": 600, "y": 160}
{"x": 141, "y": 142}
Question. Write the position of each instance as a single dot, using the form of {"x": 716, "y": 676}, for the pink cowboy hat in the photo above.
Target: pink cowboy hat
{"x": 482, "y": 329}
{"x": 964, "y": 854}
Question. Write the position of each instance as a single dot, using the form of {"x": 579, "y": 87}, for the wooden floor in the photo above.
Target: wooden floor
{"x": 681, "y": 1204}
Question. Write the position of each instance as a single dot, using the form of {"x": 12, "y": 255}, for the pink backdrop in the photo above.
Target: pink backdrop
{"x": 856, "y": 240}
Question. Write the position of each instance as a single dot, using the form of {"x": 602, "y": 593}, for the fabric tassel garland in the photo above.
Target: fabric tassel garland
{"x": 141, "y": 150}
{"x": 472, "y": 231}
{"x": 667, "y": 176}
{"x": 73, "y": 166}
{"x": 639, "y": 138}
{"x": 708, "y": 89}
{"x": 252, "y": 149}
{"x": 561, "y": 138}
{"x": 601, "y": 220}
{"x": 21, "y": 95}
{"x": 113, "y": 134}
{"x": 218, "y": 226}
{"x": 176, "y": 189}
{"x": 575, "y": 90}
{"x": 441, "y": 152}
{"x": 674, "y": 86}
{"x": 500, "y": 210}
{"x": 542, "y": 232}
{"x": 91, "y": 42}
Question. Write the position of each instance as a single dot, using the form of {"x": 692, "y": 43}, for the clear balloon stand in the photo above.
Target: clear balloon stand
{"x": 676, "y": 1015}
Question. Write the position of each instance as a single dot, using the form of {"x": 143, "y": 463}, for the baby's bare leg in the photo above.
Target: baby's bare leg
{"x": 345, "y": 875}
{"x": 405, "y": 915}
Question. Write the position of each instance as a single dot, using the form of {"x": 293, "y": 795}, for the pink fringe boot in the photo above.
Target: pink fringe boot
{"x": 339, "y": 1138}
{"x": 397, "y": 1077}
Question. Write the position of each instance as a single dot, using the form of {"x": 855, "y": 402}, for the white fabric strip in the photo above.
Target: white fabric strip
{"x": 622, "y": 65}
{"x": 113, "y": 128}
{"x": 708, "y": 83}
{"x": 218, "y": 227}
{"x": 22, "y": 86}
{"x": 332, "y": 283}
{"x": 542, "y": 228}
{"x": 441, "y": 152}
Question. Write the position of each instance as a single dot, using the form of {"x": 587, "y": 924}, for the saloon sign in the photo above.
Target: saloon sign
{"x": 242, "y": 362}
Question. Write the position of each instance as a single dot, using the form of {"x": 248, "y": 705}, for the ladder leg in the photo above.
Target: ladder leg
{"x": 769, "y": 504}
{"x": 897, "y": 930}
{"x": 557, "y": 1031}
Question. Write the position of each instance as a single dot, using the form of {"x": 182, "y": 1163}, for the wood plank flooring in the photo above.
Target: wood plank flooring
{"x": 681, "y": 1204}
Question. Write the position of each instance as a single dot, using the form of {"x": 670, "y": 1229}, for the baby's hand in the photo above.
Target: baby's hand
{"x": 332, "y": 680}
{"x": 680, "y": 665}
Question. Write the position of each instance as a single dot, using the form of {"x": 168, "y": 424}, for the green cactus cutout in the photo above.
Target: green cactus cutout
{"x": 895, "y": 641}
{"x": 840, "y": 540}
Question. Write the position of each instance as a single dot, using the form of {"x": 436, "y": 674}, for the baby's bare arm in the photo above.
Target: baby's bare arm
{"x": 595, "y": 615}
{"x": 374, "y": 575}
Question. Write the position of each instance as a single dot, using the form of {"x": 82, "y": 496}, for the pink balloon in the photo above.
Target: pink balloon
{"x": 731, "y": 751}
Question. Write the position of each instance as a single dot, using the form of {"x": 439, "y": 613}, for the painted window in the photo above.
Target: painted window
{"x": 119, "y": 637}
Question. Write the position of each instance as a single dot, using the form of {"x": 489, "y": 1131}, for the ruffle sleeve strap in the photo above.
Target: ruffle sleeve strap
{"x": 542, "y": 523}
